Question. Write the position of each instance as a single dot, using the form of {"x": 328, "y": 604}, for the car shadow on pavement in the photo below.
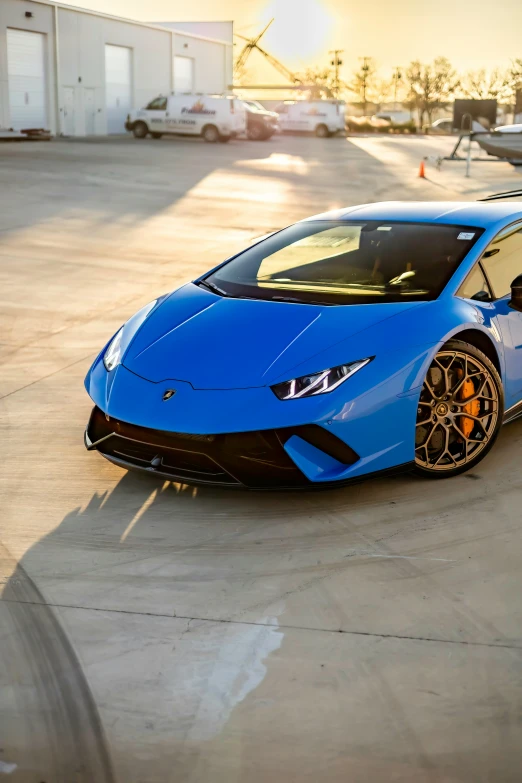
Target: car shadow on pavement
{"x": 52, "y": 729}
{"x": 142, "y": 547}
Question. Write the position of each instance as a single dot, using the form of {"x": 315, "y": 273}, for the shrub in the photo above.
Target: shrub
{"x": 376, "y": 125}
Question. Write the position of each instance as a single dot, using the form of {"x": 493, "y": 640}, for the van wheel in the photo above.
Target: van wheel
{"x": 322, "y": 131}
{"x": 255, "y": 133}
{"x": 140, "y": 130}
{"x": 156, "y": 135}
{"x": 210, "y": 133}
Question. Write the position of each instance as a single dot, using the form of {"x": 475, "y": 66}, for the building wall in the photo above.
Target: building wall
{"x": 82, "y": 40}
{"x": 79, "y": 60}
{"x": 219, "y": 31}
{"x": 212, "y": 62}
{"x": 12, "y": 14}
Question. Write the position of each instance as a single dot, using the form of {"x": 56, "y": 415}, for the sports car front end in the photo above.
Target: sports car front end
{"x": 283, "y": 382}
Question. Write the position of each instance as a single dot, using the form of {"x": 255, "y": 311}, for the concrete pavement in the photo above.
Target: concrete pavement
{"x": 151, "y": 632}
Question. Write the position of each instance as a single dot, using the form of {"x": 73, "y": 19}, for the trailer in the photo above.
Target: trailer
{"x": 492, "y": 142}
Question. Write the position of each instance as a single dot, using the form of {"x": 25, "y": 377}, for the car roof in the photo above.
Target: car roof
{"x": 464, "y": 213}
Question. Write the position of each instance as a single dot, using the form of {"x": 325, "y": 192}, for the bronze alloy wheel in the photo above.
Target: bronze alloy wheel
{"x": 459, "y": 411}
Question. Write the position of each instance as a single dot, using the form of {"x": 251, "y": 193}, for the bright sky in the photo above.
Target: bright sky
{"x": 394, "y": 32}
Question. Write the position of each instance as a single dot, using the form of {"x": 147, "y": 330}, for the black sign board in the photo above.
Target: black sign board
{"x": 483, "y": 111}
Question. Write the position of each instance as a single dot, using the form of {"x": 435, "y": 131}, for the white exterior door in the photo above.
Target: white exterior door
{"x": 89, "y": 109}
{"x": 118, "y": 86}
{"x": 69, "y": 118}
{"x": 183, "y": 74}
{"x": 27, "y": 79}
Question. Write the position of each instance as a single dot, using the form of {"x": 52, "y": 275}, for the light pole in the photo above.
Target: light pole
{"x": 336, "y": 62}
{"x": 365, "y": 69}
{"x": 397, "y": 77}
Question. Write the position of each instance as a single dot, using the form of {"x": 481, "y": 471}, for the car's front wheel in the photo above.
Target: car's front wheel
{"x": 140, "y": 130}
{"x": 459, "y": 413}
{"x": 256, "y": 133}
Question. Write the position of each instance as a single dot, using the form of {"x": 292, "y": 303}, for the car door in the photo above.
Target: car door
{"x": 502, "y": 263}
{"x": 157, "y": 115}
{"x": 294, "y": 119}
{"x": 282, "y": 110}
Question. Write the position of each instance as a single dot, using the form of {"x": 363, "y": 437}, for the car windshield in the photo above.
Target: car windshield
{"x": 347, "y": 263}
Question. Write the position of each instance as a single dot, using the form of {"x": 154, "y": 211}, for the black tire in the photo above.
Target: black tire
{"x": 140, "y": 130}
{"x": 256, "y": 133}
{"x": 437, "y": 408}
{"x": 156, "y": 135}
{"x": 322, "y": 131}
{"x": 210, "y": 133}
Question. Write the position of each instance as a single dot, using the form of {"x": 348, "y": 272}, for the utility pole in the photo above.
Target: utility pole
{"x": 365, "y": 68}
{"x": 397, "y": 78}
{"x": 336, "y": 62}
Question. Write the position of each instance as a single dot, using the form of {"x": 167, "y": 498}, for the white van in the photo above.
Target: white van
{"x": 324, "y": 118}
{"x": 215, "y": 117}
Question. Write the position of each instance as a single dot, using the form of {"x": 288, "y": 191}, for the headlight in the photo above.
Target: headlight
{"x": 112, "y": 356}
{"x": 319, "y": 383}
{"x": 122, "y": 339}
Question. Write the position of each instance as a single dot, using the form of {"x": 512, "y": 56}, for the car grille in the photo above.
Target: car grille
{"x": 254, "y": 459}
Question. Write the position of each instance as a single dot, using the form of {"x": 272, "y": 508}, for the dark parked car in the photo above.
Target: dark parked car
{"x": 261, "y": 124}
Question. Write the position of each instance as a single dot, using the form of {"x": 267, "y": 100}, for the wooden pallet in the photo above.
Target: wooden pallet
{"x": 27, "y": 134}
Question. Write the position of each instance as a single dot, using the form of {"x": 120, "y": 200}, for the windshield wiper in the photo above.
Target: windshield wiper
{"x": 216, "y": 290}
{"x": 213, "y": 288}
{"x": 298, "y": 301}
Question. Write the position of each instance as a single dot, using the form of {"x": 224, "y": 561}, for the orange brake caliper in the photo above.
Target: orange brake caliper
{"x": 473, "y": 408}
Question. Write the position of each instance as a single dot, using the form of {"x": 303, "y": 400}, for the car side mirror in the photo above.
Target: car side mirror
{"x": 516, "y": 294}
{"x": 482, "y": 296}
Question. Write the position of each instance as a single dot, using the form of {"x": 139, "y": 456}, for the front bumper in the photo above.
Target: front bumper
{"x": 376, "y": 422}
{"x": 257, "y": 459}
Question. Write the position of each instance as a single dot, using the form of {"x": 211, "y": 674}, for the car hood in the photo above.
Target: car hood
{"x": 216, "y": 342}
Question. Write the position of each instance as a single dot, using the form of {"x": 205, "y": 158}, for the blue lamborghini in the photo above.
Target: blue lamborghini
{"x": 372, "y": 339}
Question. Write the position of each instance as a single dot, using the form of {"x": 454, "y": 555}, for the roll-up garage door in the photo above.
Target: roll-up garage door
{"x": 27, "y": 82}
{"x": 118, "y": 86}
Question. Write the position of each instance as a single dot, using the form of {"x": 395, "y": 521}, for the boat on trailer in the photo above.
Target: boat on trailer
{"x": 501, "y": 145}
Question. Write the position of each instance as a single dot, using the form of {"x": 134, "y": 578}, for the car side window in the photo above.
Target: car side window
{"x": 160, "y": 104}
{"x": 502, "y": 260}
{"x": 475, "y": 286}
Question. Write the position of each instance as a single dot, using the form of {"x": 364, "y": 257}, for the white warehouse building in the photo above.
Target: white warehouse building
{"x": 78, "y": 72}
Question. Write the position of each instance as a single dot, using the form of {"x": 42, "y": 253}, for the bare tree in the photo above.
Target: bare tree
{"x": 430, "y": 86}
{"x": 380, "y": 91}
{"x": 321, "y": 80}
{"x": 481, "y": 84}
{"x": 515, "y": 74}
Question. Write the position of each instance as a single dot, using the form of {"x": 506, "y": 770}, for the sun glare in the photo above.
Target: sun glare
{"x": 301, "y": 29}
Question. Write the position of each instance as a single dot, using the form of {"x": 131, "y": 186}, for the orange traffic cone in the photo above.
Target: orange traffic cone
{"x": 422, "y": 173}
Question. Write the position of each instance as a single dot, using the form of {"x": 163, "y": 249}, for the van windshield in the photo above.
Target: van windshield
{"x": 255, "y": 106}
{"x": 347, "y": 262}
